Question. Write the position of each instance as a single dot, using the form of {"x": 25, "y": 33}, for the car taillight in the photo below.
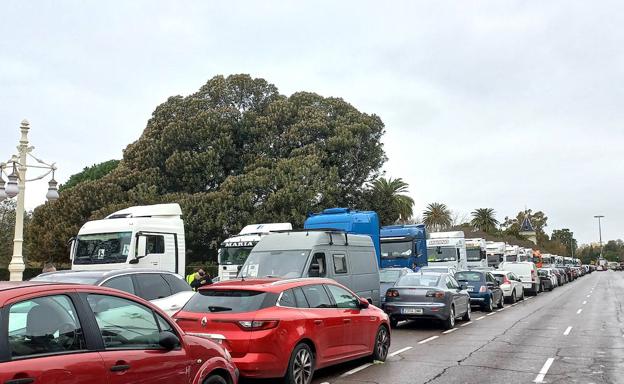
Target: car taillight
{"x": 506, "y": 280}
{"x": 436, "y": 294}
{"x": 257, "y": 325}
{"x": 392, "y": 293}
{"x": 533, "y": 273}
{"x": 483, "y": 289}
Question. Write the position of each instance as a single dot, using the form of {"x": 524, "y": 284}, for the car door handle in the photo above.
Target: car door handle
{"x": 318, "y": 322}
{"x": 25, "y": 380}
{"x": 120, "y": 368}
{"x": 346, "y": 320}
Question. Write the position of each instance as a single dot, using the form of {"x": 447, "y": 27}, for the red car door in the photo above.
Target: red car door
{"x": 357, "y": 324}
{"x": 44, "y": 325}
{"x": 132, "y": 354}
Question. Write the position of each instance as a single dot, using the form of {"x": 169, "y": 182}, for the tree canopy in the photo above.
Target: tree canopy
{"x": 94, "y": 172}
{"x": 437, "y": 217}
{"x": 484, "y": 219}
{"x": 233, "y": 153}
{"x": 388, "y": 198}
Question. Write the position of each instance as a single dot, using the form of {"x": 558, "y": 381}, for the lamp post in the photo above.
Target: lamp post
{"x": 17, "y": 187}
{"x": 600, "y": 232}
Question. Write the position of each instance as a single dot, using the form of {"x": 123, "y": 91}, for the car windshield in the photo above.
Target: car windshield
{"x": 285, "y": 264}
{"x": 401, "y": 249}
{"x": 389, "y": 276}
{"x": 230, "y": 301}
{"x": 67, "y": 278}
{"x": 418, "y": 280}
{"x": 468, "y": 276}
{"x": 438, "y": 254}
{"x": 102, "y": 248}
{"x": 473, "y": 254}
{"x": 234, "y": 255}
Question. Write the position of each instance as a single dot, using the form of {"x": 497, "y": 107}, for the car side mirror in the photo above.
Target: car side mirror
{"x": 168, "y": 340}
{"x": 363, "y": 304}
{"x": 314, "y": 271}
{"x": 72, "y": 249}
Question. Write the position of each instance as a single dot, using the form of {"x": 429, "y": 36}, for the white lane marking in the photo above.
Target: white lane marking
{"x": 400, "y": 351}
{"x": 356, "y": 370}
{"x": 450, "y": 330}
{"x": 428, "y": 339}
{"x": 514, "y": 304}
{"x": 468, "y": 323}
{"x": 529, "y": 298}
{"x": 502, "y": 309}
{"x": 480, "y": 318}
{"x": 584, "y": 302}
{"x": 490, "y": 314}
{"x": 579, "y": 311}
{"x": 544, "y": 371}
{"x": 567, "y": 331}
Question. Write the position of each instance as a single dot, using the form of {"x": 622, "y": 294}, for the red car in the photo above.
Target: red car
{"x": 287, "y": 328}
{"x": 69, "y": 333}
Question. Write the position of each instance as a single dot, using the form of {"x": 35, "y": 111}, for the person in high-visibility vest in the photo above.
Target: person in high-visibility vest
{"x": 198, "y": 279}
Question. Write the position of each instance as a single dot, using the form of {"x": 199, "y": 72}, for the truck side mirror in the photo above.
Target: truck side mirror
{"x": 141, "y": 247}
{"x": 72, "y": 250}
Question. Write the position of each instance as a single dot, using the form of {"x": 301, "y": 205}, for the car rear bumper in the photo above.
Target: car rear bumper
{"x": 438, "y": 311}
{"x": 260, "y": 365}
{"x": 479, "y": 298}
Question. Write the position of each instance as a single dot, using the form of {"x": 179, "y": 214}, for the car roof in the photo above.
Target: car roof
{"x": 268, "y": 284}
{"x": 11, "y": 289}
{"x": 103, "y": 273}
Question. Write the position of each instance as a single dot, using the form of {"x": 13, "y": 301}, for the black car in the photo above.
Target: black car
{"x": 483, "y": 288}
{"x": 546, "y": 282}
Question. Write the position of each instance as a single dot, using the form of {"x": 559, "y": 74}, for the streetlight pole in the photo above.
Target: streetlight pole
{"x": 17, "y": 187}
{"x": 600, "y": 232}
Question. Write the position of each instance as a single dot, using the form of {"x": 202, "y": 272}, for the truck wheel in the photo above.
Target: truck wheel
{"x": 301, "y": 365}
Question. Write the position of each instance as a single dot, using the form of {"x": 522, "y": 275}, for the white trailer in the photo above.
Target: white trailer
{"x": 150, "y": 236}
{"x": 234, "y": 251}
{"x": 495, "y": 252}
{"x": 476, "y": 252}
{"x": 447, "y": 249}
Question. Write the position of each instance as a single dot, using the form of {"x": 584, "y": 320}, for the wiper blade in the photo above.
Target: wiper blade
{"x": 218, "y": 309}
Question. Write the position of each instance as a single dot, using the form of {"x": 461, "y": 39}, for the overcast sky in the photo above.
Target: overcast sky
{"x": 501, "y": 104}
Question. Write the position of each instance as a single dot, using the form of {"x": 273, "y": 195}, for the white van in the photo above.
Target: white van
{"x": 349, "y": 259}
{"x": 527, "y": 272}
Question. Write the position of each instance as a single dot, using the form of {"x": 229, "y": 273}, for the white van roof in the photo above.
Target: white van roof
{"x": 309, "y": 239}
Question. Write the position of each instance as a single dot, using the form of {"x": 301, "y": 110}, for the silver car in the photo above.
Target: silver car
{"x": 425, "y": 295}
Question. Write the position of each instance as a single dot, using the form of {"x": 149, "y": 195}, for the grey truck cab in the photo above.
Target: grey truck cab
{"x": 349, "y": 259}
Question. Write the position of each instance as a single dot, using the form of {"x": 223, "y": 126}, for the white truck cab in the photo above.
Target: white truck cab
{"x": 447, "y": 249}
{"x": 150, "y": 236}
{"x": 511, "y": 253}
{"x": 476, "y": 252}
{"x": 495, "y": 252}
{"x": 235, "y": 250}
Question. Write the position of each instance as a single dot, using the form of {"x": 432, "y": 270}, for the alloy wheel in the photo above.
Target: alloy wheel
{"x": 383, "y": 344}
{"x": 302, "y": 368}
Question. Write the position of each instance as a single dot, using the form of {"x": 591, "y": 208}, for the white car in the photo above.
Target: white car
{"x": 172, "y": 304}
{"x": 527, "y": 272}
{"x": 510, "y": 284}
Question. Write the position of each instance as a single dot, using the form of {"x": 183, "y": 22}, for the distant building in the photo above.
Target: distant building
{"x": 527, "y": 230}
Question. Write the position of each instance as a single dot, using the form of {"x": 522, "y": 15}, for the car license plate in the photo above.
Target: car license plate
{"x": 412, "y": 311}
{"x": 470, "y": 289}
{"x": 527, "y": 285}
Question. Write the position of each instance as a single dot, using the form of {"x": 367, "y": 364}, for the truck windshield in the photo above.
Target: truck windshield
{"x": 102, "y": 248}
{"x": 233, "y": 255}
{"x": 284, "y": 264}
{"x": 401, "y": 249}
{"x": 511, "y": 257}
{"x": 437, "y": 254}
{"x": 473, "y": 254}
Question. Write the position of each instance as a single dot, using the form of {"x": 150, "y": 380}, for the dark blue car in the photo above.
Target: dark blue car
{"x": 483, "y": 288}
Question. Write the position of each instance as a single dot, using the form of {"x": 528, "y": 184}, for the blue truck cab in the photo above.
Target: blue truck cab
{"x": 403, "y": 246}
{"x": 349, "y": 221}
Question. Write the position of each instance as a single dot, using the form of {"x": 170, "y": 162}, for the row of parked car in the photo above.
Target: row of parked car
{"x": 443, "y": 294}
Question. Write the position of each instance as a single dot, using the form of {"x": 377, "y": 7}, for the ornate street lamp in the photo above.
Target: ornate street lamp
{"x": 16, "y": 186}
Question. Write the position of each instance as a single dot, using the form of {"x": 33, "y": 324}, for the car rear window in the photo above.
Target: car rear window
{"x": 469, "y": 276}
{"x": 229, "y": 301}
{"x": 418, "y": 281}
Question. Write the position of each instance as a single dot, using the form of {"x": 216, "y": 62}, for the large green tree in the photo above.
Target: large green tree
{"x": 484, "y": 219}
{"x": 388, "y": 198}
{"x": 437, "y": 217}
{"x": 94, "y": 172}
{"x": 233, "y": 153}
{"x": 566, "y": 238}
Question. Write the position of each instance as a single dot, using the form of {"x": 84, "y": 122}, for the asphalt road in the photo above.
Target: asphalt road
{"x": 574, "y": 334}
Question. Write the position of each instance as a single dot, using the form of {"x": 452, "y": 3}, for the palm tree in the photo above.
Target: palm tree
{"x": 392, "y": 193}
{"x": 484, "y": 219}
{"x": 437, "y": 217}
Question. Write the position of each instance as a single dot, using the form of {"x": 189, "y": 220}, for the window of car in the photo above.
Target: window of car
{"x": 469, "y": 276}
{"x": 152, "y": 286}
{"x": 316, "y": 296}
{"x": 343, "y": 298}
{"x": 123, "y": 283}
{"x": 176, "y": 283}
{"x": 340, "y": 263}
{"x": 418, "y": 280}
{"x": 489, "y": 278}
{"x": 155, "y": 244}
{"x": 302, "y": 302}
{"x": 287, "y": 299}
{"x": 124, "y": 324}
{"x": 44, "y": 325}
{"x": 229, "y": 300}
{"x": 499, "y": 277}
{"x": 451, "y": 283}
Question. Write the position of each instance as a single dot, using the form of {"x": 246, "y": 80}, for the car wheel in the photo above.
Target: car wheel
{"x": 394, "y": 322}
{"x": 468, "y": 315}
{"x": 382, "y": 344}
{"x": 513, "y": 297}
{"x": 500, "y": 302}
{"x": 301, "y": 365}
{"x": 489, "y": 307}
{"x": 450, "y": 322}
{"x": 215, "y": 379}
{"x": 522, "y": 296}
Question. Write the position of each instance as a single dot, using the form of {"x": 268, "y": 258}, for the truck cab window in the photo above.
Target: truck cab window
{"x": 155, "y": 244}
